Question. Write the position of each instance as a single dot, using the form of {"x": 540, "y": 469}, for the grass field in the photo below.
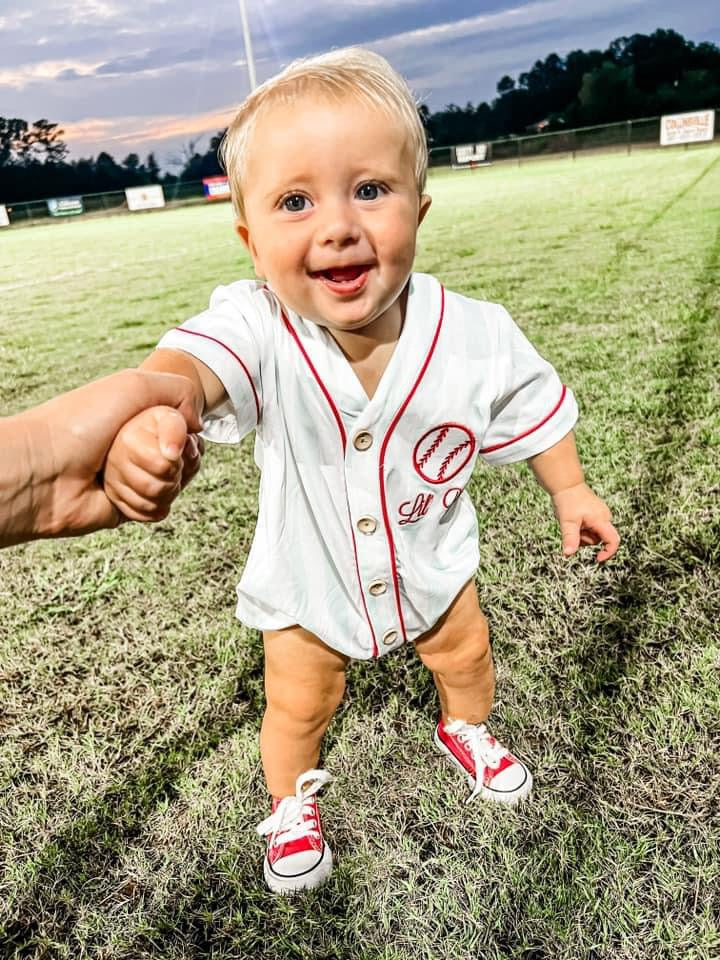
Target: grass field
{"x": 131, "y": 699}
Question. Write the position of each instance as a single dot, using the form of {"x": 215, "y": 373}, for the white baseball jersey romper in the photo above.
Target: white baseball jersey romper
{"x": 364, "y": 534}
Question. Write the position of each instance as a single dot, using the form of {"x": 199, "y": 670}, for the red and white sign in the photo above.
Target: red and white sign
{"x": 687, "y": 127}
{"x": 216, "y": 188}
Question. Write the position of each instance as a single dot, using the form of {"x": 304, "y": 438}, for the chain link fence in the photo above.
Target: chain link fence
{"x": 177, "y": 194}
{"x": 624, "y": 137}
{"x": 621, "y": 137}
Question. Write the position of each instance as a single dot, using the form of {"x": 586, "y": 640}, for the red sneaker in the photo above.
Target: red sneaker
{"x": 491, "y": 770}
{"x": 297, "y": 856}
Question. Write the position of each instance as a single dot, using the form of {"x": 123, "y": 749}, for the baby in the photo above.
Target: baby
{"x": 372, "y": 391}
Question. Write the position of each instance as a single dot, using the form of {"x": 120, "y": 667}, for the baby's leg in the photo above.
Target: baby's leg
{"x": 457, "y": 651}
{"x": 304, "y": 683}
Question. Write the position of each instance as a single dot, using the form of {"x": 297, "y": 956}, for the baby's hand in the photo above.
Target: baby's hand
{"x": 585, "y": 519}
{"x": 152, "y": 458}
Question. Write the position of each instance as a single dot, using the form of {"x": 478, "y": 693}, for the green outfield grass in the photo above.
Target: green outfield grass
{"x": 131, "y": 699}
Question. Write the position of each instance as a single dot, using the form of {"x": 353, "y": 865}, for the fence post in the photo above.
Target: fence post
{"x": 629, "y": 137}
{"x": 519, "y": 152}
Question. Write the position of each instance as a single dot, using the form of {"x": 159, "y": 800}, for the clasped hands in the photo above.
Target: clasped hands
{"x": 56, "y": 479}
{"x": 153, "y": 457}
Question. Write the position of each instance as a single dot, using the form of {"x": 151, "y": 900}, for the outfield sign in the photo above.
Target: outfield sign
{"x": 65, "y": 206}
{"x": 145, "y": 198}
{"x": 4, "y": 218}
{"x": 470, "y": 154}
{"x": 687, "y": 127}
{"x": 216, "y": 188}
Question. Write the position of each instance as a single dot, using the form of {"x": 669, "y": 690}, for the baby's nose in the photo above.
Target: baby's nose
{"x": 339, "y": 228}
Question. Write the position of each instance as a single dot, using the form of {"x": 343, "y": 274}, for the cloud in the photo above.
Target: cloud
{"x": 506, "y": 20}
{"x": 133, "y": 131}
{"x": 93, "y": 11}
{"x": 44, "y": 71}
{"x": 150, "y": 60}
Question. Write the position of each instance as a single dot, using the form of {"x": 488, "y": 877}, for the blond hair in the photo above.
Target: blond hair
{"x": 352, "y": 71}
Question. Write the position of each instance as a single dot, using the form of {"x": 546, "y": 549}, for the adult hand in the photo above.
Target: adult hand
{"x": 53, "y": 454}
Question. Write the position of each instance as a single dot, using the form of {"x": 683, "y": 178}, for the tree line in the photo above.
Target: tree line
{"x": 637, "y": 76}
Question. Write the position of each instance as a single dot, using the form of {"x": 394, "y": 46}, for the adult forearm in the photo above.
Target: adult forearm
{"x": 558, "y": 467}
{"x": 25, "y": 479}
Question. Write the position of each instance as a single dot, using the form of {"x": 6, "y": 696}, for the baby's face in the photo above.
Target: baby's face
{"x": 331, "y": 209}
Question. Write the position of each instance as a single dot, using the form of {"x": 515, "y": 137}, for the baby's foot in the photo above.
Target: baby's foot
{"x": 491, "y": 770}
{"x": 297, "y": 856}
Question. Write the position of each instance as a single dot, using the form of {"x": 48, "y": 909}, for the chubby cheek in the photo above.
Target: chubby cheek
{"x": 396, "y": 240}
{"x": 277, "y": 260}
{"x": 285, "y": 272}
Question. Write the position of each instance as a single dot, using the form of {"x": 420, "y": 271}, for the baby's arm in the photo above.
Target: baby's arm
{"x": 153, "y": 457}
{"x": 583, "y": 517}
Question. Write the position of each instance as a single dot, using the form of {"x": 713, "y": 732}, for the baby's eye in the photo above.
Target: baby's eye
{"x": 295, "y": 203}
{"x": 369, "y": 191}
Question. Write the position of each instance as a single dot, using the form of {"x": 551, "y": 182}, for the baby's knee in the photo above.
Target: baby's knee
{"x": 308, "y": 706}
{"x": 472, "y": 654}
{"x": 464, "y": 649}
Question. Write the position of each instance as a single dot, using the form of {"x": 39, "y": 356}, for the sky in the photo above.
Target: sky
{"x": 140, "y": 75}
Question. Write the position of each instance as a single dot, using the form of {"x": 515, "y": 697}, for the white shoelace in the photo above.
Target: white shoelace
{"x": 484, "y": 753}
{"x": 288, "y": 821}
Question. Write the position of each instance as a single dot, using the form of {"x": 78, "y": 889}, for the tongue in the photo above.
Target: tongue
{"x": 341, "y": 274}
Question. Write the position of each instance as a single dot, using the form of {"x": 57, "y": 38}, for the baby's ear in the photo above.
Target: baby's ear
{"x": 242, "y": 230}
{"x": 425, "y": 201}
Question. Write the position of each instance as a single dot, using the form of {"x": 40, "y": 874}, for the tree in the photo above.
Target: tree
{"x": 108, "y": 175}
{"x": 22, "y": 144}
{"x": 659, "y": 58}
{"x": 12, "y": 131}
{"x": 44, "y": 142}
{"x": 608, "y": 94}
{"x": 131, "y": 162}
{"x": 153, "y": 170}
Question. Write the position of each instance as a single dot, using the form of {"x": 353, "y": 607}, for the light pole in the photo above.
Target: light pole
{"x": 248, "y": 45}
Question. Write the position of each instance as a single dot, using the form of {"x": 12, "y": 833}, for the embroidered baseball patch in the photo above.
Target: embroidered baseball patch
{"x": 441, "y": 453}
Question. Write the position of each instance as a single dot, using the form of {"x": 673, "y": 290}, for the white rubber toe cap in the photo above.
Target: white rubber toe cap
{"x": 299, "y": 871}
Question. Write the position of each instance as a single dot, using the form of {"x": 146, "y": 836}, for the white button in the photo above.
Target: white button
{"x": 363, "y": 440}
{"x": 367, "y": 525}
{"x": 390, "y": 637}
{"x": 378, "y": 587}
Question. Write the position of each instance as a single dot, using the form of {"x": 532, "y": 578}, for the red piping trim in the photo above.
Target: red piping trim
{"x": 386, "y": 440}
{"x": 520, "y": 436}
{"x": 343, "y": 438}
{"x": 338, "y": 418}
{"x": 232, "y": 353}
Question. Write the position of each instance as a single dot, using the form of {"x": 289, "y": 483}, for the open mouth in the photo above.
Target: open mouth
{"x": 344, "y": 280}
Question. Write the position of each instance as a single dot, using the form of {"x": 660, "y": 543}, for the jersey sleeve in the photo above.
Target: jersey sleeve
{"x": 228, "y": 338}
{"x": 532, "y": 410}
